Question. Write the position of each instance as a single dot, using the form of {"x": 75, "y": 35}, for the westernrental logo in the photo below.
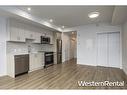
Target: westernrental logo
{"x": 102, "y": 83}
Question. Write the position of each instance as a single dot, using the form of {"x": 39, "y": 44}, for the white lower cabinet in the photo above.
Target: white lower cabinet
{"x": 10, "y": 65}
{"x": 36, "y": 61}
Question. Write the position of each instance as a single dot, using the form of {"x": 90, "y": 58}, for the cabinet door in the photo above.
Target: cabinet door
{"x": 36, "y": 61}
{"x": 16, "y": 32}
{"x": 31, "y": 35}
{"x": 14, "y": 36}
{"x": 40, "y": 59}
{"x": 51, "y": 38}
{"x": 29, "y": 32}
{"x": 22, "y": 32}
{"x": 25, "y": 63}
{"x": 32, "y": 61}
{"x": 18, "y": 64}
{"x": 43, "y": 59}
{"x": 13, "y": 29}
{"x": 21, "y": 64}
{"x": 37, "y": 37}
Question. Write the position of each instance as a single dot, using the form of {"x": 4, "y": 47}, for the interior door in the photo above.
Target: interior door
{"x": 102, "y": 58}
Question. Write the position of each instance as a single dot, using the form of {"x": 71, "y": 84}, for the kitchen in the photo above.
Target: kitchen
{"x": 30, "y": 47}
{"x": 33, "y": 47}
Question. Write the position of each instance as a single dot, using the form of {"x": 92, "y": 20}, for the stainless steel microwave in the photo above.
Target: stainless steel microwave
{"x": 45, "y": 40}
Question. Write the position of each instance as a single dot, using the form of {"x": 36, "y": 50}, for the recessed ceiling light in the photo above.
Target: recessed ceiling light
{"x": 29, "y": 9}
{"x": 51, "y": 20}
{"x": 93, "y": 15}
{"x": 63, "y": 26}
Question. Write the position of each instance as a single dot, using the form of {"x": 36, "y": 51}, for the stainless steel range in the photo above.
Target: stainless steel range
{"x": 49, "y": 59}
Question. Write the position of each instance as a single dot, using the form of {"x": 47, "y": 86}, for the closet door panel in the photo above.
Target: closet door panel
{"x": 102, "y": 50}
{"x": 114, "y": 50}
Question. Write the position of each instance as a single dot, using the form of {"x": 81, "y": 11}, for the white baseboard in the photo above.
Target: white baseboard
{"x": 3, "y": 75}
{"x": 86, "y": 64}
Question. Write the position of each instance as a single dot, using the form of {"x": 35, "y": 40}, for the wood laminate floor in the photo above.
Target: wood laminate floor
{"x": 64, "y": 76}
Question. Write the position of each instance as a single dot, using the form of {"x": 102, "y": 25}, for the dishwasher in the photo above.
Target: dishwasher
{"x": 21, "y": 64}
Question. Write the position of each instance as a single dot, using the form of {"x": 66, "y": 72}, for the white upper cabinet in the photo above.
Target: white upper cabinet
{"x": 19, "y": 32}
{"x": 15, "y": 32}
{"x": 37, "y": 37}
{"x": 49, "y": 34}
{"x": 29, "y": 32}
{"x": 51, "y": 39}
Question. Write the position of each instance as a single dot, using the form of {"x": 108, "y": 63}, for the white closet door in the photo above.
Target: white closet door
{"x": 114, "y": 50}
{"x": 102, "y": 50}
{"x": 108, "y": 52}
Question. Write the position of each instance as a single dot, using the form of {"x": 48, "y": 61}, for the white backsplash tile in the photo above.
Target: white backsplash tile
{"x": 15, "y": 47}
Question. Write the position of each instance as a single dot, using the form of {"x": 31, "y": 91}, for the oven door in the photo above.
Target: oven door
{"x": 48, "y": 59}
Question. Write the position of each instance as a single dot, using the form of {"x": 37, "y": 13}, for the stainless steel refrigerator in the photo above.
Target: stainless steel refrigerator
{"x": 59, "y": 51}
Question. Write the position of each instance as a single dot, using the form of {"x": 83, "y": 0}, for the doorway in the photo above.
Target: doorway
{"x": 69, "y": 45}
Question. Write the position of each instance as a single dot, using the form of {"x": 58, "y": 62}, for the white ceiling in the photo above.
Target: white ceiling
{"x": 119, "y": 15}
{"x": 71, "y": 16}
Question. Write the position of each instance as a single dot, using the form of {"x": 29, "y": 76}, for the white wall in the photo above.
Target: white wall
{"x": 86, "y": 41}
{"x": 3, "y": 65}
{"x": 124, "y": 47}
